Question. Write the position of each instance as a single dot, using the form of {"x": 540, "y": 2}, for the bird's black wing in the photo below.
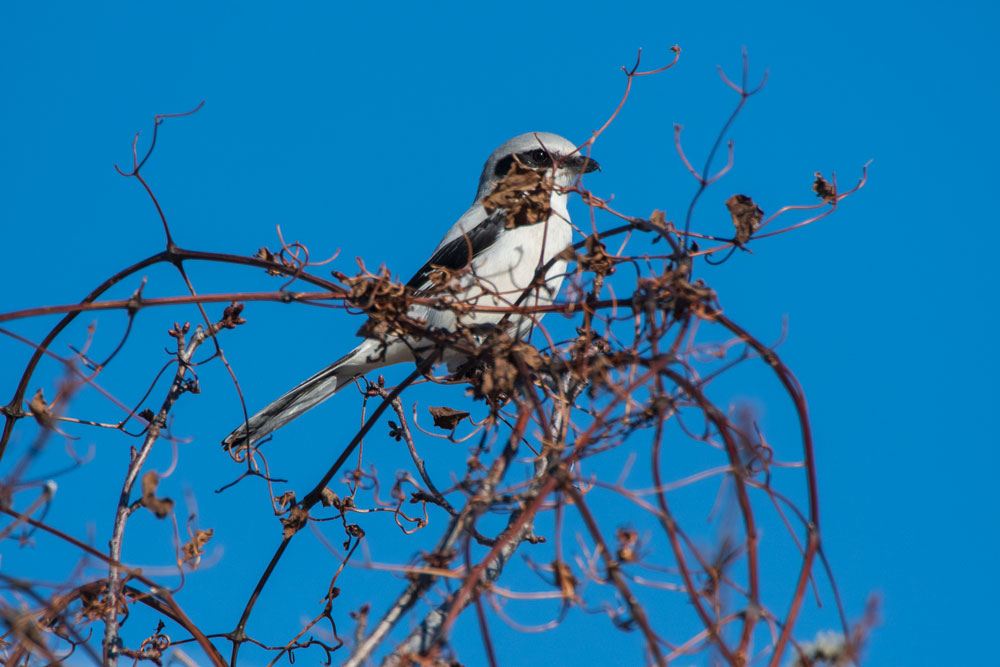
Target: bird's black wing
{"x": 459, "y": 252}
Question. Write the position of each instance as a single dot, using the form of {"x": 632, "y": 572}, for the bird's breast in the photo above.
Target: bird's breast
{"x": 517, "y": 253}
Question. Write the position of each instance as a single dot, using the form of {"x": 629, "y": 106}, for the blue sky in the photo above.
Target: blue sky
{"x": 364, "y": 128}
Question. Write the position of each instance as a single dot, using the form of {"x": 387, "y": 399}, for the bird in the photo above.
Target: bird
{"x": 496, "y": 247}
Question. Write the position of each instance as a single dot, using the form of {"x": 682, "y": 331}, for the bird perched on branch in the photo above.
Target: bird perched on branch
{"x": 517, "y": 224}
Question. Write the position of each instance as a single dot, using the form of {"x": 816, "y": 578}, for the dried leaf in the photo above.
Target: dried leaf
{"x": 529, "y": 354}
{"x": 328, "y": 498}
{"x": 92, "y": 606}
{"x": 268, "y": 256}
{"x": 746, "y": 217}
{"x": 627, "y": 540}
{"x": 286, "y": 499}
{"x": 824, "y": 189}
{"x": 294, "y": 522}
{"x": 40, "y": 410}
{"x": 525, "y": 195}
{"x": 658, "y": 219}
{"x": 192, "y": 550}
{"x": 569, "y": 255}
{"x": 161, "y": 507}
{"x": 493, "y": 369}
{"x": 597, "y": 258}
{"x": 565, "y": 579}
{"x": 384, "y": 300}
{"x": 447, "y": 418}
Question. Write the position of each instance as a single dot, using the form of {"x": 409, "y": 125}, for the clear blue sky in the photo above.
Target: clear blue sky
{"x": 363, "y": 127}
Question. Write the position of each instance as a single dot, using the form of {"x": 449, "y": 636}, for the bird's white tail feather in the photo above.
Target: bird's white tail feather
{"x": 310, "y": 393}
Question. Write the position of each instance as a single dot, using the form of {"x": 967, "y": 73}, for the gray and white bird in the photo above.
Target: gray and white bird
{"x": 501, "y": 261}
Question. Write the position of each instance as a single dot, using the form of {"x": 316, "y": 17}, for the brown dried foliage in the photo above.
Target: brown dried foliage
{"x": 161, "y": 507}
{"x": 193, "y": 550}
{"x": 447, "y": 418}
{"x": 824, "y": 189}
{"x": 523, "y": 194}
{"x": 746, "y": 217}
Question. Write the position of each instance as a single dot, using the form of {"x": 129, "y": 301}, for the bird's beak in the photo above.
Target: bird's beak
{"x": 582, "y": 164}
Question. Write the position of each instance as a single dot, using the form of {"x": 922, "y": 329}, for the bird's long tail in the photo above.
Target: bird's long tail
{"x": 308, "y": 394}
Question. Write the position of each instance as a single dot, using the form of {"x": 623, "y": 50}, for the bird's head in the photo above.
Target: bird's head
{"x": 541, "y": 151}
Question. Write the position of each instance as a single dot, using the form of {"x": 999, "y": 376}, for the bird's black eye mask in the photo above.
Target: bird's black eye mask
{"x": 534, "y": 159}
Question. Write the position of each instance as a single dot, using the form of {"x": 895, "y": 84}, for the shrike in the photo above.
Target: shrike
{"x": 495, "y": 254}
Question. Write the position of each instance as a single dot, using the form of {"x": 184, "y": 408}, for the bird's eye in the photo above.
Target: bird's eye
{"x": 539, "y": 156}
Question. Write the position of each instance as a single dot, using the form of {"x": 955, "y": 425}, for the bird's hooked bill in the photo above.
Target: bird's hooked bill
{"x": 581, "y": 163}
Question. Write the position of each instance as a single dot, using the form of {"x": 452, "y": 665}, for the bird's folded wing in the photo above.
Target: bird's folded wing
{"x": 459, "y": 252}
